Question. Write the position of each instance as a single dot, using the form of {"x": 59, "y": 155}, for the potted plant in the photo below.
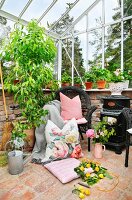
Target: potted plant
{"x": 89, "y": 79}
{"x": 100, "y": 134}
{"x": 127, "y": 78}
{"x": 102, "y": 75}
{"x": 117, "y": 83}
{"x": 77, "y": 81}
{"x": 32, "y": 52}
{"x": 66, "y": 79}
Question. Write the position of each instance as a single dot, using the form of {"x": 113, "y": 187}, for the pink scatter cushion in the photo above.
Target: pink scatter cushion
{"x": 79, "y": 121}
{"x": 70, "y": 108}
{"x": 64, "y": 169}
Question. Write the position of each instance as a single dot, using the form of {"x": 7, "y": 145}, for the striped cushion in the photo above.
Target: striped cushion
{"x": 64, "y": 169}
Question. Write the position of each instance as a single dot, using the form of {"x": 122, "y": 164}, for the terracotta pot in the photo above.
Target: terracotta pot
{"x": 65, "y": 84}
{"x": 88, "y": 85}
{"x": 98, "y": 150}
{"x": 30, "y": 139}
{"x": 101, "y": 84}
{"x": 77, "y": 85}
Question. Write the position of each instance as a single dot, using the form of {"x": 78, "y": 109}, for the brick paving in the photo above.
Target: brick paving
{"x": 37, "y": 183}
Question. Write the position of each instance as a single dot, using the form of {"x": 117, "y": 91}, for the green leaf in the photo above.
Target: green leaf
{"x": 108, "y": 175}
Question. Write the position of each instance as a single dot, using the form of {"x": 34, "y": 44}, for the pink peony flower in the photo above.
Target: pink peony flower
{"x": 90, "y": 133}
{"x": 77, "y": 152}
{"x": 56, "y": 131}
{"x": 60, "y": 149}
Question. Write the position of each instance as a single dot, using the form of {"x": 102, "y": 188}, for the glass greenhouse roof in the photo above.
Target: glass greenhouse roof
{"x": 46, "y": 12}
{"x": 94, "y": 22}
{"x": 52, "y": 11}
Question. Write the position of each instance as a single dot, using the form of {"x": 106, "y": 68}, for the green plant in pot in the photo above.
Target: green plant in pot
{"x": 128, "y": 77}
{"x": 89, "y": 79}
{"x": 32, "y": 53}
{"x": 77, "y": 81}
{"x": 18, "y": 135}
{"x": 66, "y": 79}
{"x": 118, "y": 82}
{"x": 102, "y": 75}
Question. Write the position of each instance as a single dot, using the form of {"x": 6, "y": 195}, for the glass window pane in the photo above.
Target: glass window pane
{"x": 5, "y": 27}
{"x": 14, "y": 6}
{"x": 95, "y": 19}
{"x": 112, "y": 10}
{"x": 127, "y": 45}
{"x": 80, "y": 7}
{"x": 81, "y": 52}
{"x": 66, "y": 63}
{"x": 95, "y": 48}
{"x": 10, "y": 24}
{"x": 55, "y": 13}
{"x": 62, "y": 25}
{"x": 81, "y": 25}
{"x": 113, "y": 46}
{"x": 36, "y": 9}
{"x": 127, "y": 8}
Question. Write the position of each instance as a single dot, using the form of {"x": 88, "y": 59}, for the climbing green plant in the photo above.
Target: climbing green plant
{"x": 31, "y": 53}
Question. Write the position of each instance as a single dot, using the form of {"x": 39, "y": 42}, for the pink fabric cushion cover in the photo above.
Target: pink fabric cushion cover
{"x": 79, "y": 121}
{"x": 70, "y": 108}
{"x": 64, "y": 169}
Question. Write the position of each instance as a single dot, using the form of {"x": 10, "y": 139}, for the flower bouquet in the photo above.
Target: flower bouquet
{"x": 91, "y": 172}
{"x": 81, "y": 191}
{"x": 102, "y": 131}
{"x": 100, "y": 134}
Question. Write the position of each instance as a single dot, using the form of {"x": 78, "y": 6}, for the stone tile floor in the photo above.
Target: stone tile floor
{"x": 36, "y": 183}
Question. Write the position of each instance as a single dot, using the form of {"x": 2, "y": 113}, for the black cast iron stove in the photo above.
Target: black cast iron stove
{"x": 112, "y": 107}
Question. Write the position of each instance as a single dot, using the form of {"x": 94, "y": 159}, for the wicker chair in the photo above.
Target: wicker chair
{"x": 87, "y": 109}
{"x": 127, "y": 113}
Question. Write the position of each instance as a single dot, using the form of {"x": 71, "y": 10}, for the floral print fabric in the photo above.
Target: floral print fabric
{"x": 62, "y": 143}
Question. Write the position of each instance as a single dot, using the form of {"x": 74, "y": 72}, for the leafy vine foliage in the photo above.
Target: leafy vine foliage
{"x": 31, "y": 53}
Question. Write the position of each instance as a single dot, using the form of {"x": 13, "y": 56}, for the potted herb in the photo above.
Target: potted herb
{"x": 89, "y": 79}
{"x": 116, "y": 76}
{"x": 66, "y": 79}
{"x": 127, "y": 78}
{"x": 77, "y": 81}
{"x": 32, "y": 52}
{"x": 102, "y": 75}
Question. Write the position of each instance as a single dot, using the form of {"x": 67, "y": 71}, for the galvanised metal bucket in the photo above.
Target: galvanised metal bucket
{"x": 15, "y": 162}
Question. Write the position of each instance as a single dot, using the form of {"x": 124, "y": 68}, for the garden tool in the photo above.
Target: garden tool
{"x": 7, "y": 127}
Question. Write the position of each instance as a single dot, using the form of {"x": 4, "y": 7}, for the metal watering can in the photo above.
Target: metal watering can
{"x": 16, "y": 161}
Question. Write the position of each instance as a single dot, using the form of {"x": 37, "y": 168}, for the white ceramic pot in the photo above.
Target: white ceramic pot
{"x": 117, "y": 88}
